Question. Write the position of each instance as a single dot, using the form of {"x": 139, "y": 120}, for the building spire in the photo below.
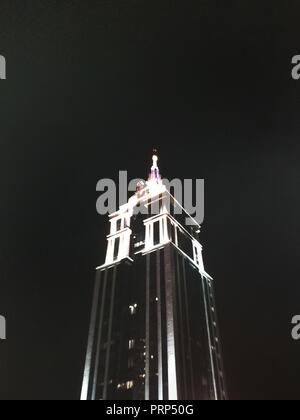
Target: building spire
{"x": 155, "y": 174}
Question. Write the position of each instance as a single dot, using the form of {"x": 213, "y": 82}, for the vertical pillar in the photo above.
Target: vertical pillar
{"x": 99, "y": 338}
{"x": 159, "y": 328}
{"x": 171, "y": 327}
{"x": 109, "y": 338}
{"x": 209, "y": 338}
{"x": 110, "y": 251}
{"x": 91, "y": 339}
{"x": 147, "y": 361}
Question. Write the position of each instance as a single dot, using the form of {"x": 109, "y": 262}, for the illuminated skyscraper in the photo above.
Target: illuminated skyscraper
{"x": 154, "y": 331}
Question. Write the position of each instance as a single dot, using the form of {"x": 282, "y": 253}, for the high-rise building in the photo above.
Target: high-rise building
{"x": 154, "y": 330}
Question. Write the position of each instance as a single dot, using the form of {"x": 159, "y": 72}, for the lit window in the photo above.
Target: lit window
{"x": 133, "y": 309}
{"x": 131, "y": 344}
{"x": 197, "y": 256}
{"x": 156, "y": 234}
{"x": 119, "y": 225}
{"x": 116, "y": 248}
{"x": 130, "y": 363}
{"x": 139, "y": 244}
{"x": 129, "y": 385}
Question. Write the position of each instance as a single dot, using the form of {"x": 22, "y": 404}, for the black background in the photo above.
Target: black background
{"x": 92, "y": 87}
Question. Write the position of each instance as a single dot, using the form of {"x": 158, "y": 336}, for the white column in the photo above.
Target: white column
{"x": 176, "y": 235}
{"x": 121, "y": 247}
{"x": 149, "y": 236}
{"x": 161, "y": 231}
{"x": 110, "y": 251}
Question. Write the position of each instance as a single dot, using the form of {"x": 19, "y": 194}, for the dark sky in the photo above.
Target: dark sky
{"x": 92, "y": 87}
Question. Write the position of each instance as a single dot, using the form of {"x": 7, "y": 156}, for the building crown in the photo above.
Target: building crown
{"x": 151, "y": 219}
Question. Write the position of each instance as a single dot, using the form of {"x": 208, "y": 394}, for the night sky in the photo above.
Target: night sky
{"x": 92, "y": 87}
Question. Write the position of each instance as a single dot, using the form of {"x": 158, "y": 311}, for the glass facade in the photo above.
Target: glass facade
{"x": 130, "y": 352}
